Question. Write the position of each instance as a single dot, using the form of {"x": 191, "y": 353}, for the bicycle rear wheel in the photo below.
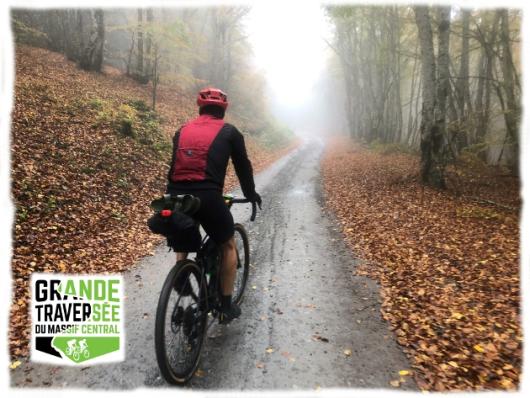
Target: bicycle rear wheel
{"x": 243, "y": 263}
{"x": 180, "y": 324}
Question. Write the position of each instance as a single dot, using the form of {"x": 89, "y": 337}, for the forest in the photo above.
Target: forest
{"x": 386, "y": 253}
{"x": 442, "y": 80}
{"x": 427, "y": 183}
{"x": 185, "y": 49}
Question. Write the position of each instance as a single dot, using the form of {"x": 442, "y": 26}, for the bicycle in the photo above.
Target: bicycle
{"x": 199, "y": 296}
{"x": 76, "y": 352}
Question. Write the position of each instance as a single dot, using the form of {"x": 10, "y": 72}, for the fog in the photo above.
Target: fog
{"x": 289, "y": 45}
{"x": 313, "y": 69}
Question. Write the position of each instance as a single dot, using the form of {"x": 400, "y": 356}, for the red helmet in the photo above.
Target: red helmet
{"x": 212, "y": 96}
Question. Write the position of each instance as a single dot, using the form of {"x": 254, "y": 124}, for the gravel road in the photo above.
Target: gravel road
{"x": 302, "y": 300}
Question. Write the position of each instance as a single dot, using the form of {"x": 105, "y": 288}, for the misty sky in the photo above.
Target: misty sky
{"x": 288, "y": 47}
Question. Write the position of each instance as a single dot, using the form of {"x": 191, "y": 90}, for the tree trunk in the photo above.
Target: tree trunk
{"x": 485, "y": 72}
{"x": 462, "y": 89}
{"x": 92, "y": 54}
{"x": 140, "y": 46}
{"x": 431, "y": 150}
{"x": 442, "y": 83}
{"x": 512, "y": 114}
{"x": 155, "y": 77}
{"x": 100, "y": 40}
{"x": 129, "y": 56}
{"x": 344, "y": 52}
{"x": 148, "y": 44}
{"x": 398, "y": 112}
{"x": 413, "y": 80}
{"x": 73, "y": 43}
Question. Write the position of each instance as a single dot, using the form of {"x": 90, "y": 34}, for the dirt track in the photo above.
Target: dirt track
{"x": 300, "y": 287}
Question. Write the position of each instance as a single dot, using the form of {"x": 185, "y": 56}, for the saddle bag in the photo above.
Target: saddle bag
{"x": 173, "y": 219}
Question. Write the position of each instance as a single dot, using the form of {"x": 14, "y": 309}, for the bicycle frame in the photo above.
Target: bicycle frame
{"x": 211, "y": 269}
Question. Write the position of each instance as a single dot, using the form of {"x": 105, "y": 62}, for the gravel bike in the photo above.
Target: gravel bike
{"x": 190, "y": 296}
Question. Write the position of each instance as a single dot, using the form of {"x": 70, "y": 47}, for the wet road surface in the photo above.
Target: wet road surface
{"x": 307, "y": 321}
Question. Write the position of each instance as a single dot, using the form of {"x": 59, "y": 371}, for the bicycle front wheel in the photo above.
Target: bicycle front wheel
{"x": 180, "y": 324}
{"x": 243, "y": 263}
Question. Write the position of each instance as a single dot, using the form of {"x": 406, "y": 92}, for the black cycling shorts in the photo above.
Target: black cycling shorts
{"x": 213, "y": 215}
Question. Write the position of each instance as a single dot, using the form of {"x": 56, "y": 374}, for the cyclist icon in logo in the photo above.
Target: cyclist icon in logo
{"x": 77, "y": 350}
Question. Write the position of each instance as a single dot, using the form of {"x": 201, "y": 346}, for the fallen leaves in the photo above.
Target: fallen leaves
{"x": 317, "y": 337}
{"x": 309, "y": 306}
{"x": 402, "y": 374}
{"x": 14, "y": 364}
{"x": 453, "y": 364}
{"x": 395, "y": 383}
{"x": 288, "y": 356}
{"x": 448, "y": 269}
{"x": 457, "y": 315}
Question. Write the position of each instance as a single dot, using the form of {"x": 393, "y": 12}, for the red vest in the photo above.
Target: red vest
{"x": 194, "y": 141}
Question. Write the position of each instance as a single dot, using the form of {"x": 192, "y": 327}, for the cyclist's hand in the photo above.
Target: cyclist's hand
{"x": 257, "y": 199}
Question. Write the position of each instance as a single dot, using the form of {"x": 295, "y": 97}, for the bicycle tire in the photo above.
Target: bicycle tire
{"x": 170, "y": 374}
{"x": 245, "y": 265}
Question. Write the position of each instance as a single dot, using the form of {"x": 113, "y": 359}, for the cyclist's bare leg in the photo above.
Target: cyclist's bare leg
{"x": 182, "y": 256}
{"x": 229, "y": 267}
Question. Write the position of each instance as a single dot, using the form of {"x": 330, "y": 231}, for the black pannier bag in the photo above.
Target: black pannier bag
{"x": 173, "y": 220}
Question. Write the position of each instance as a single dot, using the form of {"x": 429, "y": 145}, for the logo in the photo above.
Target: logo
{"x": 77, "y": 320}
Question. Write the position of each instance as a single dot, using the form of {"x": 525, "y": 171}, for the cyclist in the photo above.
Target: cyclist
{"x": 82, "y": 345}
{"x": 201, "y": 151}
{"x": 72, "y": 345}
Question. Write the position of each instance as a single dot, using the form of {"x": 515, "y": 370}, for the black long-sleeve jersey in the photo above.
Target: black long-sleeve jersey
{"x": 201, "y": 150}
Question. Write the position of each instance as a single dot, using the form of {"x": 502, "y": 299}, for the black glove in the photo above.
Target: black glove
{"x": 256, "y": 199}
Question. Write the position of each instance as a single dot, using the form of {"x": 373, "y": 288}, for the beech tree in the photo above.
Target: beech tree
{"x": 439, "y": 80}
{"x": 91, "y": 57}
{"x": 78, "y": 33}
{"x": 513, "y": 108}
{"x": 431, "y": 119}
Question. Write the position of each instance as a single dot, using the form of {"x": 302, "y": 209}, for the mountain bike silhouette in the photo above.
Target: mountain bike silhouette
{"x": 77, "y": 350}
